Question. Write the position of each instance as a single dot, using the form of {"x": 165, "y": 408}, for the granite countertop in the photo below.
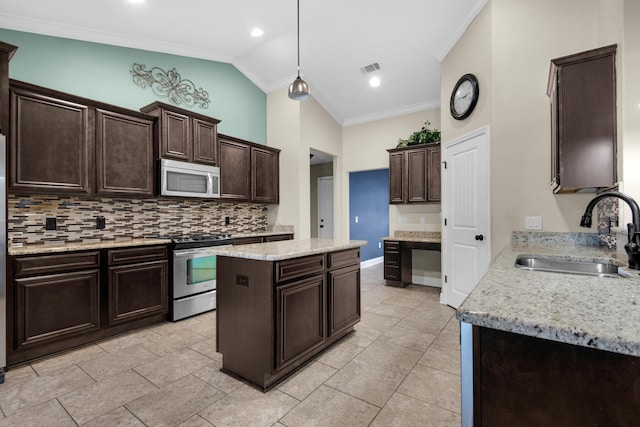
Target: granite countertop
{"x": 81, "y": 246}
{"x": 286, "y": 249}
{"x": 108, "y": 244}
{"x": 415, "y": 236}
{"x": 590, "y": 311}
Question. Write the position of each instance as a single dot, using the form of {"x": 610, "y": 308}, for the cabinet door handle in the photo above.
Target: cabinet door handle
{"x": 479, "y": 237}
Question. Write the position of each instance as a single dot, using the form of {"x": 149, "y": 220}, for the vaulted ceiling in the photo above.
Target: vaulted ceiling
{"x": 407, "y": 38}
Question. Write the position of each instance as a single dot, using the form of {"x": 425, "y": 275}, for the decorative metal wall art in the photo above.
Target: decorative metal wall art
{"x": 169, "y": 84}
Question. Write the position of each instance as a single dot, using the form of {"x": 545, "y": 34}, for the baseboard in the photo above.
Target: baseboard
{"x": 372, "y": 261}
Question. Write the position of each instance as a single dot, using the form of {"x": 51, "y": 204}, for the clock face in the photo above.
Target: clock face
{"x": 464, "y": 97}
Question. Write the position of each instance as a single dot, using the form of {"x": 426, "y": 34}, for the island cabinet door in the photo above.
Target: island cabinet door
{"x": 300, "y": 318}
{"x": 344, "y": 298}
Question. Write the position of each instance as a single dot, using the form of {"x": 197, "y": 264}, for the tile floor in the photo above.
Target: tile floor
{"x": 400, "y": 368}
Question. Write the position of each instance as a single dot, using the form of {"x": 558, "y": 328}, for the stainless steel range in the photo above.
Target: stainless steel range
{"x": 193, "y": 287}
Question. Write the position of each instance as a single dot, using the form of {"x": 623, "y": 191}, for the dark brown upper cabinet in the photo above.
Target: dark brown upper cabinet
{"x": 6, "y": 53}
{"x": 582, "y": 91}
{"x": 235, "y": 169}
{"x": 63, "y": 144}
{"x": 49, "y": 142}
{"x": 414, "y": 174}
{"x": 248, "y": 171}
{"x": 265, "y": 176}
{"x": 124, "y": 154}
{"x": 185, "y": 135}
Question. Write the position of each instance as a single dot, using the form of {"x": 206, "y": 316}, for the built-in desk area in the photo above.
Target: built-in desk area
{"x": 398, "y": 259}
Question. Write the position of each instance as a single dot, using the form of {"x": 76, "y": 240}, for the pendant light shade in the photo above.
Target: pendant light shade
{"x": 299, "y": 89}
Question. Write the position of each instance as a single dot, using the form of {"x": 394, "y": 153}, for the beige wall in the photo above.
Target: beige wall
{"x": 295, "y": 127}
{"x": 508, "y": 47}
{"x": 283, "y": 132}
{"x": 364, "y": 147}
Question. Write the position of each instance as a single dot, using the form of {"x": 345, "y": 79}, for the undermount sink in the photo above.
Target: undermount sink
{"x": 593, "y": 268}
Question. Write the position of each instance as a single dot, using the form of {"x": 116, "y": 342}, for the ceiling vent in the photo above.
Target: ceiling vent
{"x": 370, "y": 68}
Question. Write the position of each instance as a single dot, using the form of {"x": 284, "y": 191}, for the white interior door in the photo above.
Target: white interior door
{"x": 325, "y": 207}
{"x": 466, "y": 212}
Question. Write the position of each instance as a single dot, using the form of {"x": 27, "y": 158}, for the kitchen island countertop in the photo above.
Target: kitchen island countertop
{"x": 590, "y": 311}
{"x": 286, "y": 249}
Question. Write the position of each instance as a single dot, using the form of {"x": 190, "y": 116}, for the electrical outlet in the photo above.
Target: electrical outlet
{"x": 533, "y": 223}
{"x": 100, "y": 222}
{"x": 50, "y": 224}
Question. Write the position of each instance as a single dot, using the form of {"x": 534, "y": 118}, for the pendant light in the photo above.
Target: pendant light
{"x": 298, "y": 90}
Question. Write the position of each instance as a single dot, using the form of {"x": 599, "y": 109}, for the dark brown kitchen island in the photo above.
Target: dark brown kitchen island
{"x": 280, "y": 304}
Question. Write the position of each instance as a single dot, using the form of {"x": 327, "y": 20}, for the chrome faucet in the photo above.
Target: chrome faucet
{"x": 633, "y": 230}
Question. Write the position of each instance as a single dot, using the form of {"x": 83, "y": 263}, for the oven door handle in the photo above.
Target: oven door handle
{"x": 187, "y": 252}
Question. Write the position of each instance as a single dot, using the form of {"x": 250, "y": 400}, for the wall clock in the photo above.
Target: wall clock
{"x": 464, "y": 97}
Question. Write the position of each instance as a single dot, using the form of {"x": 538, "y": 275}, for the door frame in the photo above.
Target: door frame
{"x": 446, "y": 207}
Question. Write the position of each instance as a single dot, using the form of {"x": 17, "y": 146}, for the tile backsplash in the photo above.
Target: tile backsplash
{"x": 125, "y": 218}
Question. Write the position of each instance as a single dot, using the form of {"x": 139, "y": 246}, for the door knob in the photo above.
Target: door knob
{"x": 479, "y": 237}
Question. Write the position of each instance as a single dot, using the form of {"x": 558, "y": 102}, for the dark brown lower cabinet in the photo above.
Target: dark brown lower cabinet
{"x": 302, "y": 299}
{"x": 43, "y": 306}
{"x": 344, "y": 298}
{"x": 137, "y": 291}
{"x": 56, "y": 302}
{"x": 273, "y": 317}
{"x": 525, "y": 381}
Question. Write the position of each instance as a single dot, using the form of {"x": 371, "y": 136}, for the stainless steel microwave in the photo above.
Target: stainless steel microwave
{"x": 183, "y": 179}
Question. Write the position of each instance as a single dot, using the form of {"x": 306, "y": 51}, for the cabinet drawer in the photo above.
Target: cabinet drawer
{"x": 391, "y": 247}
{"x": 40, "y": 264}
{"x": 343, "y": 258}
{"x": 132, "y": 255}
{"x": 246, "y": 240}
{"x": 391, "y": 273}
{"x": 299, "y": 267}
{"x": 278, "y": 237}
{"x": 392, "y": 259}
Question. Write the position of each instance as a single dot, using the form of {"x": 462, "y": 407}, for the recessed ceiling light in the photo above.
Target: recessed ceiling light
{"x": 136, "y": 1}
{"x": 374, "y": 81}
{"x": 257, "y": 32}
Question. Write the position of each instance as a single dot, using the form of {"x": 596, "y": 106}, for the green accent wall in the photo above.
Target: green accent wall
{"x": 103, "y": 73}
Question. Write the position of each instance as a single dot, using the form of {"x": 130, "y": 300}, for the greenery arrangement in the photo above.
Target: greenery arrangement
{"x": 423, "y": 136}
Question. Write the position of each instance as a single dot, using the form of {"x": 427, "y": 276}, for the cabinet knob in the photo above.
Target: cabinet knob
{"x": 479, "y": 237}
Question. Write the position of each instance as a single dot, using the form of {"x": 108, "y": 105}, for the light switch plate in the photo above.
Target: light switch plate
{"x": 533, "y": 223}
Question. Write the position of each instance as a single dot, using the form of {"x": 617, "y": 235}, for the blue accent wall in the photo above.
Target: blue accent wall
{"x": 369, "y": 201}
{"x": 103, "y": 73}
